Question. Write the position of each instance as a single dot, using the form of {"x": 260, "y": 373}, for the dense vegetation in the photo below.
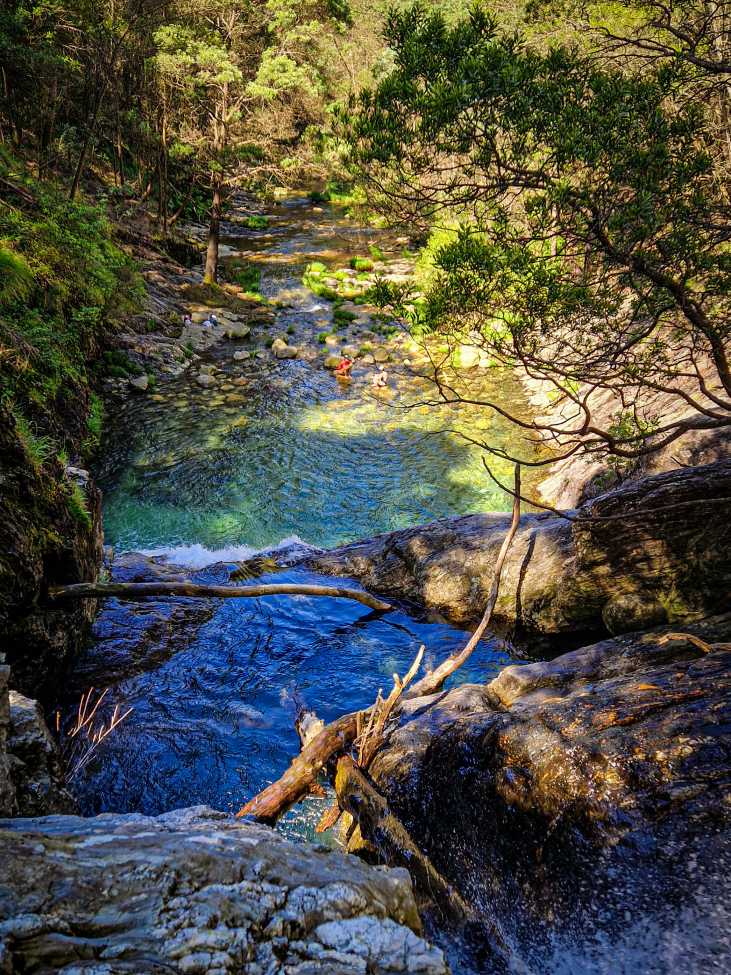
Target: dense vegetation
{"x": 582, "y": 198}
{"x": 567, "y": 163}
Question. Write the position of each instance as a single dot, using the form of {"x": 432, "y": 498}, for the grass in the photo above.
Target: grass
{"x": 76, "y": 503}
{"x": 361, "y": 263}
{"x": 37, "y": 448}
{"x": 248, "y": 277}
{"x": 256, "y": 222}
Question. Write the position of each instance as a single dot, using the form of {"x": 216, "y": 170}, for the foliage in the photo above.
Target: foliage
{"x": 68, "y": 278}
{"x": 592, "y": 243}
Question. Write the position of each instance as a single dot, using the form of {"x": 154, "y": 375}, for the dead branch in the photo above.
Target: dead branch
{"x": 357, "y": 796}
{"x": 340, "y": 735}
{"x": 433, "y": 682}
{"x": 141, "y": 590}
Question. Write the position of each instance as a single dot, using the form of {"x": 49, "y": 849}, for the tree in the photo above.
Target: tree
{"x": 593, "y": 247}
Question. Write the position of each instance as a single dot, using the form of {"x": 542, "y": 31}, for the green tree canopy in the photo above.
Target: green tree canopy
{"x": 594, "y": 244}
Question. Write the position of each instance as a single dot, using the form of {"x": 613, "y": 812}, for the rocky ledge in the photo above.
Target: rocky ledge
{"x": 195, "y": 892}
{"x": 663, "y": 554}
{"x": 575, "y": 798}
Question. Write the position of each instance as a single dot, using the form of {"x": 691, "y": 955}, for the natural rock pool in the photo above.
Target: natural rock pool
{"x": 276, "y": 450}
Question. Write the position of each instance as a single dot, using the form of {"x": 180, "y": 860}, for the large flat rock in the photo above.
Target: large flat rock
{"x": 196, "y": 892}
{"x": 660, "y": 551}
{"x": 582, "y": 794}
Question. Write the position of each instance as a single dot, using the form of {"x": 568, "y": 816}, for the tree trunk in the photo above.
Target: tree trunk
{"x": 210, "y": 274}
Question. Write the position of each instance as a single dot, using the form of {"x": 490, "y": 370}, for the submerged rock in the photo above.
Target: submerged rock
{"x": 565, "y": 793}
{"x": 197, "y": 892}
{"x": 663, "y": 553}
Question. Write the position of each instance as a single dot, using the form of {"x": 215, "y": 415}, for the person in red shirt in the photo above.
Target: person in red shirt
{"x": 343, "y": 367}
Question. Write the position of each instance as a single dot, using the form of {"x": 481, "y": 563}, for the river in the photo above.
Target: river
{"x": 279, "y": 452}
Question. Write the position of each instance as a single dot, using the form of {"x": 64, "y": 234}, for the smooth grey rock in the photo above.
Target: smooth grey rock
{"x": 237, "y": 330}
{"x": 139, "y": 383}
{"x": 36, "y": 764}
{"x": 381, "y": 355}
{"x": 205, "y": 380}
{"x": 197, "y": 892}
{"x": 241, "y": 354}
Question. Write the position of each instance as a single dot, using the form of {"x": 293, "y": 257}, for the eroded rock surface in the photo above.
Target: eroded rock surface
{"x": 195, "y": 892}
{"x": 663, "y": 555}
{"x": 581, "y": 793}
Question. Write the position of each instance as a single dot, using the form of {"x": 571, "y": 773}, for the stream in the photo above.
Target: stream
{"x": 279, "y": 453}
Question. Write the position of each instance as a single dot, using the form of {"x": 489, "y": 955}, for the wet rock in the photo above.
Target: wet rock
{"x": 197, "y": 892}
{"x": 205, "y": 380}
{"x": 35, "y": 762}
{"x": 285, "y": 351}
{"x": 368, "y": 359}
{"x": 662, "y": 554}
{"x": 332, "y": 341}
{"x": 331, "y": 361}
{"x": 7, "y": 790}
{"x": 139, "y": 383}
{"x": 564, "y": 792}
{"x": 241, "y": 355}
{"x": 381, "y": 355}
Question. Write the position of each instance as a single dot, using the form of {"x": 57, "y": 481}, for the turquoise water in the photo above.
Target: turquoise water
{"x": 293, "y": 452}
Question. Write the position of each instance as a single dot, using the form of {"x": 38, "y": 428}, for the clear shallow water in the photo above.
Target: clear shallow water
{"x": 294, "y": 452}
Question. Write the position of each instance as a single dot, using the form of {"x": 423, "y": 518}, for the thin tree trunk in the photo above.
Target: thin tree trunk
{"x": 210, "y": 274}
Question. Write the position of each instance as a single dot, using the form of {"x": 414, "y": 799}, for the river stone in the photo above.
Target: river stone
{"x": 279, "y": 343}
{"x": 331, "y": 361}
{"x": 662, "y": 544}
{"x": 241, "y": 354}
{"x": 140, "y": 383}
{"x": 466, "y": 357}
{"x": 350, "y": 351}
{"x": 286, "y": 352}
{"x": 237, "y": 330}
{"x": 368, "y": 359}
{"x": 380, "y": 355}
{"x": 205, "y": 380}
{"x": 562, "y": 794}
{"x": 331, "y": 341}
{"x": 195, "y": 891}
{"x": 240, "y": 381}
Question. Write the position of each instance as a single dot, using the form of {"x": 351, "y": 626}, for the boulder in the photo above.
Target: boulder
{"x": 279, "y": 343}
{"x": 197, "y": 892}
{"x": 381, "y": 355}
{"x": 35, "y": 761}
{"x": 140, "y": 383}
{"x": 662, "y": 554}
{"x": 367, "y": 359}
{"x": 332, "y": 341}
{"x": 466, "y": 357}
{"x": 241, "y": 355}
{"x": 331, "y": 361}
{"x": 237, "y": 330}
{"x": 286, "y": 352}
{"x": 583, "y": 793}
{"x": 205, "y": 380}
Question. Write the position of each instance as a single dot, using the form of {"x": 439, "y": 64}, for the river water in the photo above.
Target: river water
{"x": 279, "y": 451}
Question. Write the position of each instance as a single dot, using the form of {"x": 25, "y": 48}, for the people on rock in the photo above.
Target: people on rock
{"x": 187, "y": 320}
{"x": 344, "y": 367}
{"x": 210, "y": 321}
{"x": 380, "y": 378}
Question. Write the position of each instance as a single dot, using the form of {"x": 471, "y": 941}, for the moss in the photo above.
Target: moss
{"x": 76, "y": 503}
{"x": 361, "y": 264}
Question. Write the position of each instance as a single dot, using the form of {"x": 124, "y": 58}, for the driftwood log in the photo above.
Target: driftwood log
{"x": 141, "y": 590}
{"x": 340, "y": 735}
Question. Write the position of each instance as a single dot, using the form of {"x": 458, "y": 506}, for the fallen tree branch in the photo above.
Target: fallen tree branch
{"x": 357, "y": 796}
{"x": 141, "y": 590}
{"x": 340, "y": 735}
{"x": 431, "y": 683}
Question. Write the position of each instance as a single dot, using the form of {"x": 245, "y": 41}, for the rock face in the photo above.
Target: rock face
{"x": 42, "y": 543}
{"x": 196, "y": 892}
{"x": 663, "y": 555}
{"x": 580, "y": 793}
{"x": 34, "y": 761}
